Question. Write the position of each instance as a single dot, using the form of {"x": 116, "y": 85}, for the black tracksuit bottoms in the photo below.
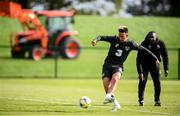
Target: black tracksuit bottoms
{"x": 155, "y": 74}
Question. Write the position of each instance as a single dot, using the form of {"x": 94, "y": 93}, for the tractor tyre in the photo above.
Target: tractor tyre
{"x": 69, "y": 48}
{"x": 36, "y": 53}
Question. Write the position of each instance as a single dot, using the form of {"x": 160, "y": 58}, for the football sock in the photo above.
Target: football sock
{"x": 108, "y": 95}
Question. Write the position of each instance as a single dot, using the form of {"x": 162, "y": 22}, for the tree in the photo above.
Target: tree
{"x": 55, "y": 4}
{"x": 156, "y": 8}
{"x": 174, "y": 8}
{"x": 118, "y": 4}
{"x": 24, "y": 3}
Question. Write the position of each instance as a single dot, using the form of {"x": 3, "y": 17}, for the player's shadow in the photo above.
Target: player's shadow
{"x": 5, "y": 57}
{"x": 10, "y": 58}
{"x": 40, "y": 111}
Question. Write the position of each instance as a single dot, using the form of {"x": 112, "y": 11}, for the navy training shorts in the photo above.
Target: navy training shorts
{"x": 109, "y": 69}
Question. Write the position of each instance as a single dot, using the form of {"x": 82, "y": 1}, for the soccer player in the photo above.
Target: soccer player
{"x": 120, "y": 46}
{"x": 145, "y": 65}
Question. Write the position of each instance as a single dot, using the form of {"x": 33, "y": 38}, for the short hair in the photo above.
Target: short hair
{"x": 123, "y": 29}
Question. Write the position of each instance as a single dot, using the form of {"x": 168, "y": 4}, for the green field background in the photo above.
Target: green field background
{"x": 90, "y": 62}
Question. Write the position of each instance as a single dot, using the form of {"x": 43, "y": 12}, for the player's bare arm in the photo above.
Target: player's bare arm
{"x": 94, "y": 41}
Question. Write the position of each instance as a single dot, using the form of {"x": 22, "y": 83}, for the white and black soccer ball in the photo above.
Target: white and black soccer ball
{"x": 85, "y": 102}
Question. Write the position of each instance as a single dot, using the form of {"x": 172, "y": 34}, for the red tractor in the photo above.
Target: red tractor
{"x": 38, "y": 40}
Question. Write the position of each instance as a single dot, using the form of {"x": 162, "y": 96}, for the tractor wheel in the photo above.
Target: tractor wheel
{"x": 36, "y": 53}
{"x": 17, "y": 54}
{"x": 69, "y": 48}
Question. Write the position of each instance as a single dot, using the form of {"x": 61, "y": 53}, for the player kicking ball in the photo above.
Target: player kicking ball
{"x": 120, "y": 46}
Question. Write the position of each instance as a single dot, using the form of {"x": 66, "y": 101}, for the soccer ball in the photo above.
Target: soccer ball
{"x": 85, "y": 102}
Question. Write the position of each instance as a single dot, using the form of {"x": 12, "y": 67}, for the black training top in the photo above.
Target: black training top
{"x": 158, "y": 48}
{"x": 119, "y": 51}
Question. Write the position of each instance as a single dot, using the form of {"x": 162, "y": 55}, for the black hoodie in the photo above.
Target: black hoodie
{"x": 158, "y": 48}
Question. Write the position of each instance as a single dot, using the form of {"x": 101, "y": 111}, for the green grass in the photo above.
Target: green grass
{"x": 61, "y": 96}
{"x": 91, "y": 26}
{"x": 89, "y": 64}
{"x": 8, "y": 26}
{"x": 82, "y": 76}
{"x": 166, "y": 28}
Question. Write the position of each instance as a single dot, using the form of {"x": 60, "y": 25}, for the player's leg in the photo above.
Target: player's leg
{"x": 106, "y": 82}
{"x": 155, "y": 73}
{"x": 113, "y": 85}
{"x": 110, "y": 85}
{"x": 141, "y": 87}
{"x": 114, "y": 82}
{"x": 111, "y": 77}
{"x": 106, "y": 78}
{"x": 109, "y": 95}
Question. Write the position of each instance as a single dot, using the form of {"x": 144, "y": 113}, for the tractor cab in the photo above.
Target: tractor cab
{"x": 57, "y": 21}
{"x": 60, "y": 32}
{"x": 58, "y": 24}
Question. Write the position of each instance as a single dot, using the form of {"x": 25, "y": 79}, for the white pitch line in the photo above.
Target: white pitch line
{"x": 38, "y": 100}
{"x": 60, "y": 102}
{"x": 160, "y": 113}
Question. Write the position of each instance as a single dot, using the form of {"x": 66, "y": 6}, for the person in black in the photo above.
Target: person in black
{"x": 120, "y": 46}
{"x": 146, "y": 64}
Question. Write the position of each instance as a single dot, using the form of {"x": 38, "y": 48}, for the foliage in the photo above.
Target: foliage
{"x": 55, "y": 4}
{"x": 156, "y": 7}
{"x": 146, "y": 7}
{"x": 118, "y": 4}
{"x": 175, "y": 8}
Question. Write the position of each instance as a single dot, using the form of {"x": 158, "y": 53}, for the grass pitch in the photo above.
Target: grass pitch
{"x": 61, "y": 97}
